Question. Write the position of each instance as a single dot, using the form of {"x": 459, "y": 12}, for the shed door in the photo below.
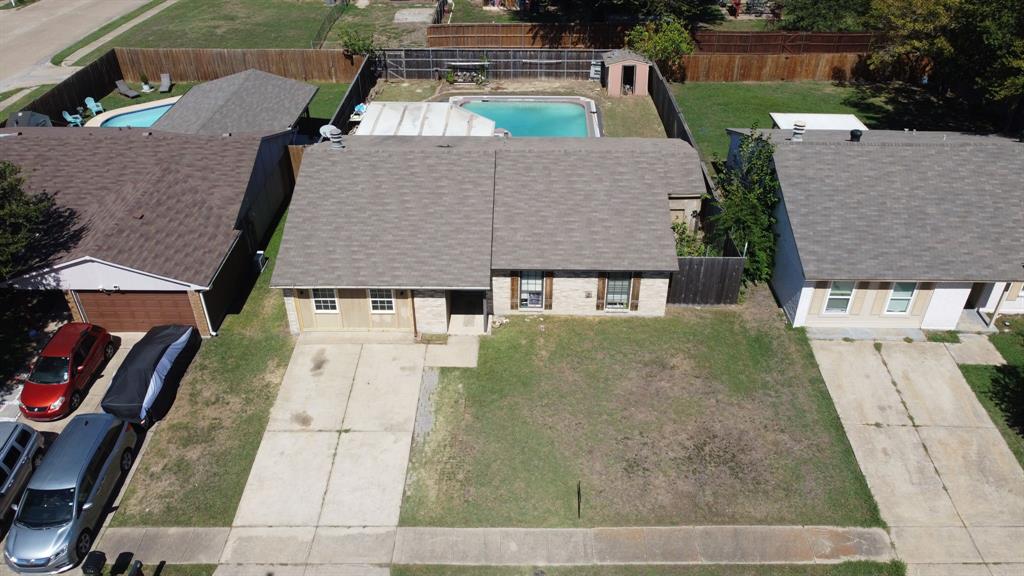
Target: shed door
{"x": 136, "y": 311}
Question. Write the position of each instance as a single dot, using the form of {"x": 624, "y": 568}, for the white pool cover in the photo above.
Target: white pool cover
{"x": 422, "y": 119}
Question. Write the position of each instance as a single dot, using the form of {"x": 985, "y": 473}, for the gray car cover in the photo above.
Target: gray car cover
{"x": 145, "y": 385}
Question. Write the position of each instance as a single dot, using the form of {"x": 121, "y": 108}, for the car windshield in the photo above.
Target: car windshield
{"x": 44, "y": 508}
{"x": 50, "y": 370}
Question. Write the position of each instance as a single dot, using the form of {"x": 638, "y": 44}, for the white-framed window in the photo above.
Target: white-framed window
{"x": 325, "y": 300}
{"x": 531, "y": 289}
{"x": 839, "y": 296}
{"x": 616, "y": 293}
{"x": 900, "y": 297}
{"x": 382, "y": 301}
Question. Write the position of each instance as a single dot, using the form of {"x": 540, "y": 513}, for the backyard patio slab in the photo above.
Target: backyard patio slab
{"x": 315, "y": 389}
{"x": 859, "y": 383}
{"x": 975, "y": 349}
{"x": 367, "y": 480}
{"x": 932, "y": 386}
{"x": 287, "y": 480}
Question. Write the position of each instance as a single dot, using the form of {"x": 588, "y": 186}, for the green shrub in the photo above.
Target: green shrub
{"x": 661, "y": 42}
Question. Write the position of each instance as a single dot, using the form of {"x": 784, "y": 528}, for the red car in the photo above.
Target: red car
{"x": 64, "y": 370}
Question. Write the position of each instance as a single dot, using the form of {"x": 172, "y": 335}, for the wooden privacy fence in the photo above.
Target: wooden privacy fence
{"x": 706, "y": 281}
{"x": 357, "y": 92}
{"x": 768, "y": 67}
{"x": 526, "y": 36}
{"x": 203, "y": 64}
{"x": 96, "y": 80}
{"x": 714, "y": 42}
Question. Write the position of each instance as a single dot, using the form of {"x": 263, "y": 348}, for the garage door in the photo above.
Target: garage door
{"x": 136, "y": 311}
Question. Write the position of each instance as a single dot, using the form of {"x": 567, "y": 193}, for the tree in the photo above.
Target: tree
{"x": 826, "y": 15}
{"x": 661, "y": 42}
{"x": 32, "y": 228}
{"x": 748, "y": 192}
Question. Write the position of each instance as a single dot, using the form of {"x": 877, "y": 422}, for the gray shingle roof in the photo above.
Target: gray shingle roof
{"x": 900, "y": 206}
{"x": 249, "y": 101}
{"x": 187, "y": 190}
{"x": 393, "y": 211}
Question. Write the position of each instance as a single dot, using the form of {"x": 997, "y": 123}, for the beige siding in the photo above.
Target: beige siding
{"x": 353, "y": 312}
{"x": 867, "y": 308}
{"x": 575, "y": 294}
{"x": 685, "y": 210}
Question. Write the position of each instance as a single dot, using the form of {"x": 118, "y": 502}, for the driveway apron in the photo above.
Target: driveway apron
{"x": 944, "y": 479}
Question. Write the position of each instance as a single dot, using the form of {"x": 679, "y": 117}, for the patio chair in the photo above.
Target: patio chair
{"x": 165, "y": 82}
{"x": 93, "y": 106}
{"x": 125, "y": 90}
{"x": 72, "y": 119}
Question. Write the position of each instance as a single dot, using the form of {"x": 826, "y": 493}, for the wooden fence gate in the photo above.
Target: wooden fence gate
{"x": 706, "y": 281}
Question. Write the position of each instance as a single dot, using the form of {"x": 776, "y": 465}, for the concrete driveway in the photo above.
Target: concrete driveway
{"x": 30, "y": 36}
{"x": 944, "y": 479}
{"x": 328, "y": 478}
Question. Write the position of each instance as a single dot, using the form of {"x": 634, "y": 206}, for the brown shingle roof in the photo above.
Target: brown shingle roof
{"x": 153, "y": 201}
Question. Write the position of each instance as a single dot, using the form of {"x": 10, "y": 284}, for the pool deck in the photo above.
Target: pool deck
{"x": 99, "y": 119}
{"x": 593, "y": 119}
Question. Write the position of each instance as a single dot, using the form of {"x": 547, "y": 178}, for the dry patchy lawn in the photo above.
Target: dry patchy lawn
{"x": 703, "y": 417}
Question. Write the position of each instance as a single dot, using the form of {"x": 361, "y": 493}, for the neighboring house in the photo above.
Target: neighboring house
{"x": 844, "y": 122}
{"x": 898, "y": 229}
{"x": 433, "y": 234}
{"x": 170, "y": 222}
{"x": 252, "y": 101}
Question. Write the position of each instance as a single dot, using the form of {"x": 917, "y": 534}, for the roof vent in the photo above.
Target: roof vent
{"x": 139, "y": 215}
{"x": 798, "y": 131}
{"x": 335, "y": 135}
{"x": 855, "y": 135}
{"x": 226, "y": 135}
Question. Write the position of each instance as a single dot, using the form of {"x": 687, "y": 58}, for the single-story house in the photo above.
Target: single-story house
{"x": 898, "y": 229}
{"x": 251, "y": 101}
{"x": 169, "y": 224}
{"x": 434, "y": 234}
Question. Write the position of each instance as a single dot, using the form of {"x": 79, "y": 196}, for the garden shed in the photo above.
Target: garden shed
{"x": 625, "y": 73}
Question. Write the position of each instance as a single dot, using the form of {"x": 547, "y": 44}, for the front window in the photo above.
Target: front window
{"x": 531, "y": 289}
{"x": 900, "y": 297}
{"x": 839, "y": 296}
{"x": 43, "y": 508}
{"x": 617, "y": 293}
{"x": 382, "y": 301}
{"x": 324, "y": 300}
{"x": 50, "y": 370}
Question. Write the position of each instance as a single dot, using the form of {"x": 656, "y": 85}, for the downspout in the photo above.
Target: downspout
{"x": 206, "y": 313}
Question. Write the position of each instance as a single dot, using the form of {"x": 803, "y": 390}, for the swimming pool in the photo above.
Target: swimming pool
{"x": 536, "y": 117}
{"x": 137, "y": 119}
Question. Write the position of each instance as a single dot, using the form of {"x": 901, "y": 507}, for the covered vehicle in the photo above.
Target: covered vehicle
{"x": 145, "y": 386}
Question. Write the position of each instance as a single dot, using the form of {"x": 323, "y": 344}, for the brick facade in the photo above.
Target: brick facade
{"x": 431, "y": 308}
{"x": 196, "y": 302}
{"x": 575, "y": 294}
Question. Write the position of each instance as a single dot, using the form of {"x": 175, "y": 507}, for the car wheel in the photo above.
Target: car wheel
{"x": 75, "y": 401}
{"x": 127, "y": 458}
{"x": 108, "y": 350}
{"x": 83, "y": 545}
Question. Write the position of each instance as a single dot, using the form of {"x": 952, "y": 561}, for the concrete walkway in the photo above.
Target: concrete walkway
{"x": 30, "y": 36}
{"x": 944, "y": 478}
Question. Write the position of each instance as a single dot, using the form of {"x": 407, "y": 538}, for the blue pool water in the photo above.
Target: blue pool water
{"x": 538, "y": 119}
{"x": 138, "y": 119}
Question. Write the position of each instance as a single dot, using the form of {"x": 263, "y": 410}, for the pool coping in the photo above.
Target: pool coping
{"x": 99, "y": 119}
{"x": 593, "y": 116}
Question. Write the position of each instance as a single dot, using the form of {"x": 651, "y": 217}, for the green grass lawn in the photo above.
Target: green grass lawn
{"x": 711, "y": 107}
{"x": 18, "y": 105}
{"x": 59, "y": 57}
{"x": 746, "y": 25}
{"x": 115, "y": 100}
{"x": 467, "y": 12}
{"x": 844, "y": 569}
{"x": 702, "y": 417}
{"x": 225, "y": 24}
{"x": 1000, "y": 389}
{"x": 378, "y": 19}
{"x": 326, "y": 101}
{"x": 198, "y": 460}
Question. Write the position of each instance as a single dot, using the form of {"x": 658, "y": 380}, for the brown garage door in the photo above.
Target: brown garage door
{"x": 136, "y": 311}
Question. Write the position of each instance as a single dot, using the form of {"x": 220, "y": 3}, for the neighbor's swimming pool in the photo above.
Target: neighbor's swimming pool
{"x": 137, "y": 119}
{"x": 534, "y": 118}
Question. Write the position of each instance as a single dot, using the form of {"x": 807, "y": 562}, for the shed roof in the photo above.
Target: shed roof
{"x": 249, "y": 101}
{"x": 454, "y": 208}
{"x": 905, "y": 206}
{"x": 623, "y": 55}
{"x": 158, "y": 202}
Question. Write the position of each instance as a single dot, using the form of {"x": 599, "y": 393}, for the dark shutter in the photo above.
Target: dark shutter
{"x": 514, "y": 305}
{"x": 602, "y": 287}
{"x": 634, "y": 293}
{"x": 549, "y": 288}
